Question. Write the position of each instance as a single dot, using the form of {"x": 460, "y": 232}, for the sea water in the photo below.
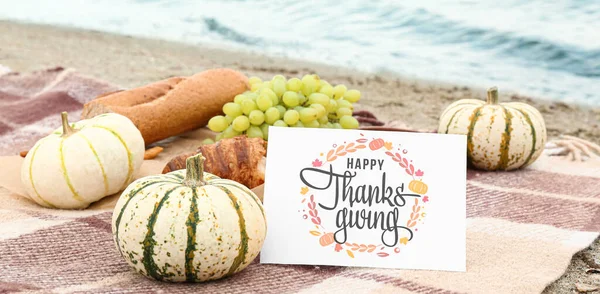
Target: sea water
{"x": 546, "y": 49}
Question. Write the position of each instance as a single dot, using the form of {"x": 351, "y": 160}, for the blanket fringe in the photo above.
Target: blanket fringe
{"x": 576, "y": 149}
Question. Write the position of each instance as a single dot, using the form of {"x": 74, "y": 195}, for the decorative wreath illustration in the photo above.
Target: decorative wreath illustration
{"x": 417, "y": 215}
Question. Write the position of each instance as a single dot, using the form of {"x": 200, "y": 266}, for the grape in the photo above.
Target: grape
{"x": 254, "y": 132}
{"x": 256, "y": 87}
{"x": 271, "y": 95}
{"x": 290, "y": 99}
{"x": 252, "y": 96}
{"x": 219, "y": 136}
{"x": 344, "y": 103}
{"x": 323, "y": 119}
{"x": 239, "y": 98}
{"x": 229, "y": 119}
{"x": 259, "y": 86}
{"x": 256, "y": 117}
{"x": 280, "y": 123}
{"x": 309, "y": 85}
{"x": 279, "y": 86}
{"x": 327, "y": 89}
{"x": 291, "y": 117}
{"x": 301, "y": 98}
{"x": 352, "y": 96}
{"x": 294, "y": 85}
{"x": 240, "y": 123}
{"x": 264, "y": 101}
{"x": 232, "y": 109}
{"x": 218, "y": 123}
{"x": 272, "y": 115}
{"x": 308, "y": 115}
{"x": 247, "y": 106}
{"x": 348, "y": 122}
{"x": 278, "y": 77}
{"x": 332, "y": 105}
{"x": 312, "y": 124}
{"x": 318, "y": 82}
{"x": 265, "y": 131}
{"x": 298, "y": 124}
{"x": 298, "y": 108}
{"x": 339, "y": 91}
{"x": 318, "y": 98}
{"x": 320, "y": 110}
{"x": 336, "y": 126}
{"x": 254, "y": 80}
{"x": 208, "y": 141}
{"x": 342, "y": 111}
{"x": 229, "y": 132}
{"x": 281, "y": 109}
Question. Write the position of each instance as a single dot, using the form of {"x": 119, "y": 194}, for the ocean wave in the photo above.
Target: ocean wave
{"x": 531, "y": 51}
{"x": 228, "y": 33}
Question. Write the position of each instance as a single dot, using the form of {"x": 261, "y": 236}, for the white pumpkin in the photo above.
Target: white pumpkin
{"x": 500, "y": 136}
{"x": 83, "y": 162}
{"x": 188, "y": 225}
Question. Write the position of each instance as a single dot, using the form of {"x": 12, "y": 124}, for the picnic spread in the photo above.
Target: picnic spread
{"x": 536, "y": 206}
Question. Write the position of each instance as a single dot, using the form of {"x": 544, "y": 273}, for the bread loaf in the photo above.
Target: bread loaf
{"x": 172, "y": 106}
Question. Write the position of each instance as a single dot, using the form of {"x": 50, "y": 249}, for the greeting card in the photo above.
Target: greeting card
{"x": 365, "y": 198}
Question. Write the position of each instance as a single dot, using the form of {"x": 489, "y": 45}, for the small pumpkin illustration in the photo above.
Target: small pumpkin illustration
{"x": 326, "y": 239}
{"x": 376, "y": 144}
{"x": 418, "y": 186}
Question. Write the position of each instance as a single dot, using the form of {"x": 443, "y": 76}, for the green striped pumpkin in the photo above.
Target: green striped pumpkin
{"x": 500, "y": 136}
{"x": 188, "y": 225}
{"x": 83, "y": 162}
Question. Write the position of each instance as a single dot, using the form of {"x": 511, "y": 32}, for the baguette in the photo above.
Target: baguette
{"x": 173, "y": 106}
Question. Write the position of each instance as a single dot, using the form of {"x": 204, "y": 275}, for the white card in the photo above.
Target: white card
{"x": 418, "y": 223}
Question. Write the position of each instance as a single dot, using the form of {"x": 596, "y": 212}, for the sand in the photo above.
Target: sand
{"x": 131, "y": 62}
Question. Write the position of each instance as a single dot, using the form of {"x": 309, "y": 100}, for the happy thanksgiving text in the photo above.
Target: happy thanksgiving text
{"x": 383, "y": 202}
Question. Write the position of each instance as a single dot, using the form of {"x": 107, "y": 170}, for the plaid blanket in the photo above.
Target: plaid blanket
{"x": 30, "y": 103}
{"x": 523, "y": 228}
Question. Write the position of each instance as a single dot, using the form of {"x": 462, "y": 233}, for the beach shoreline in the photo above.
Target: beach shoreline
{"x": 130, "y": 62}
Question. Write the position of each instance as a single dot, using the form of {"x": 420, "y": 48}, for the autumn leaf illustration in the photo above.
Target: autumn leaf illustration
{"x": 338, "y": 247}
{"x": 303, "y": 190}
{"x": 388, "y": 145}
{"x": 419, "y": 173}
{"x": 315, "y": 233}
{"x": 350, "y": 253}
{"x": 317, "y": 163}
{"x": 403, "y": 240}
{"x": 426, "y": 199}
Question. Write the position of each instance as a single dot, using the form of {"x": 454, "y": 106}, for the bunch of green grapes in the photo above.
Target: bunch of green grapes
{"x": 308, "y": 102}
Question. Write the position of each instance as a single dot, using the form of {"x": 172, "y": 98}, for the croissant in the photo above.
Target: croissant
{"x": 240, "y": 159}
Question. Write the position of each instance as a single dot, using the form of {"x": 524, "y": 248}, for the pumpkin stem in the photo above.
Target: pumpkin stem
{"x": 492, "y": 95}
{"x": 194, "y": 171}
{"x": 67, "y": 129}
